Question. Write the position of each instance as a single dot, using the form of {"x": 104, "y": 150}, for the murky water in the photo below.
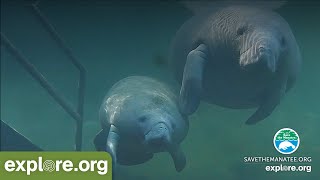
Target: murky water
{"x": 116, "y": 40}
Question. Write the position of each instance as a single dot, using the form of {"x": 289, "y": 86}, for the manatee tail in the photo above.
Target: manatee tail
{"x": 200, "y": 7}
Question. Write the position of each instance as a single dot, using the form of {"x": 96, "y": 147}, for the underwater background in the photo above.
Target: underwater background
{"x": 116, "y": 39}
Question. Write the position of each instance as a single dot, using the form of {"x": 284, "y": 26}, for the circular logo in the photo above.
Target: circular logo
{"x": 49, "y": 165}
{"x": 286, "y": 141}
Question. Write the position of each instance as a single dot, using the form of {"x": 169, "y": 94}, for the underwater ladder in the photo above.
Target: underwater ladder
{"x": 77, "y": 115}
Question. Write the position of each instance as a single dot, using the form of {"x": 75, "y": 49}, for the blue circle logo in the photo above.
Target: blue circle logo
{"x": 286, "y": 141}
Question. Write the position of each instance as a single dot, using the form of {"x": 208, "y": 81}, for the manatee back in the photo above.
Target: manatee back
{"x": 124, "y": 94}
{"x": 136, "y": 85}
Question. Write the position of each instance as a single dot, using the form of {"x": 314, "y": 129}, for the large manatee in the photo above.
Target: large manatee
{"x": 140, "y": 117}
{"x": 236, "y": 56}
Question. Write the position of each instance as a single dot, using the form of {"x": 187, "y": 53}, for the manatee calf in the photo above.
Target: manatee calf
{"x": 140, "y": 117}
{"x": 235, "y": 56}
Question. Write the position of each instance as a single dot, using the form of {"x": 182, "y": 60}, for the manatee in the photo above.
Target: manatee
{"x": 286, "y": 144}
{"x": 238, "y": 56}
{"x": 140, "y": 117}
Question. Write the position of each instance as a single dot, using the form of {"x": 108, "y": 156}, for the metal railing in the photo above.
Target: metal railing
{"x": 77, "y": 115}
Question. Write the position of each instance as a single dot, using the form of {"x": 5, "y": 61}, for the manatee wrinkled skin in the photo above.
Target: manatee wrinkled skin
{"x": 140, "y": 117}
{"x": 236, "y": 56}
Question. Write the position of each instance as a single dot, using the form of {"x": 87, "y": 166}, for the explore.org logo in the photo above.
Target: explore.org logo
{"x": 286, "y": 141}
{"x": 55, "y": 165}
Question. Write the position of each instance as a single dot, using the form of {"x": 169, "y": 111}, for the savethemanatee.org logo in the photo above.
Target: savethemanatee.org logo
{"x": 286, "y": 141}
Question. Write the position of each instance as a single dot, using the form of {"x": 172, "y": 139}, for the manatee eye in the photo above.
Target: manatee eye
{"x": 142, "y": 119}
{"x": 241, "y": 30}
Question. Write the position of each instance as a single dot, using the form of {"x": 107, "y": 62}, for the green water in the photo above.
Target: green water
{"x": 120, "y": 39}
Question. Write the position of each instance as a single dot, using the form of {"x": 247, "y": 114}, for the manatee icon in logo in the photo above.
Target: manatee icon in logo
{"x": 285, "y": 145}
{"x": 286, "y": 141}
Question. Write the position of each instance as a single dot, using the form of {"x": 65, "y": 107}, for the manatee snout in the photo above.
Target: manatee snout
{"x": 262, "y": 57}
{"x": 159, "y": 136}
{"x": 267, "y": 59}
{"x": 261, "y": 49}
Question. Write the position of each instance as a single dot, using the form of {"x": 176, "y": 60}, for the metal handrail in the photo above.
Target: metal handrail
{"x": 76, "y": 115}
{"x": 61, "y": 43}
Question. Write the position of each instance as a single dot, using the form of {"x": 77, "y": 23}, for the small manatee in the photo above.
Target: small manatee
{"x": 140, "y": 117}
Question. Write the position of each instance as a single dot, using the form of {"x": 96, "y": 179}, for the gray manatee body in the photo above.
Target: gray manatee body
{"x": 140, "y": 117}
{"x": 236, "y": 56}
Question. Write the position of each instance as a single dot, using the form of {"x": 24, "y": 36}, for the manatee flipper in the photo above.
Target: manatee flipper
{"x": 112, "y": 145}
{"x": 178, "y": 157}
{"x": 100, "y": 140}
{"x": 272, "y": 99}
{"x": 190, "y": 93}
